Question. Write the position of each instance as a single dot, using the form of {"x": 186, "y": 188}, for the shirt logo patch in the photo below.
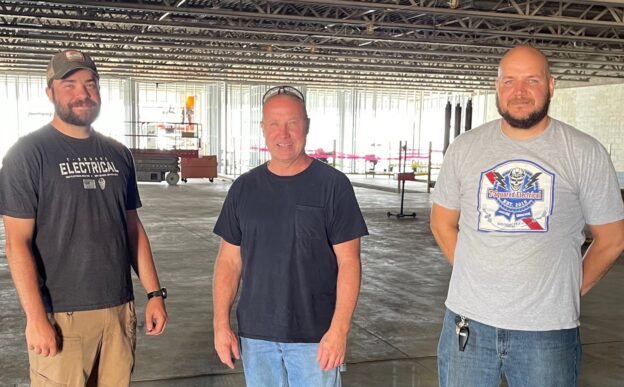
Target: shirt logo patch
{"x": 102, "y": 183}
{"x": 515, "y": 196}
{"x": 88, "y": 183}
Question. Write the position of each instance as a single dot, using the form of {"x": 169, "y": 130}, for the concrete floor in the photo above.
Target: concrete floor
{"x": 396, "y": 325}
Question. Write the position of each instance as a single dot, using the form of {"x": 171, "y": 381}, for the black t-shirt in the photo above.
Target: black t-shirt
{"x": 78, "y": 192}
{"x": 286, "y": 227}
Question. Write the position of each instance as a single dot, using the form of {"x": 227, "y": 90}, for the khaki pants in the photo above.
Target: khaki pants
{"x": 96, "y": 349}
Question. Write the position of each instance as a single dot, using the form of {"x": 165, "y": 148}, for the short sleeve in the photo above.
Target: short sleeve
{"x": 19, "y": 183}
{"x": 347, "y": 222}
{"x": 447, "y": 191}
{"x": 228, "y": 225}
{"x": 599, "y": 191}
{"x": 133, "y": 199}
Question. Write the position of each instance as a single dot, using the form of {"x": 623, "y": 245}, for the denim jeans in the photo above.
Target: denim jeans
{"x": 273, "y": 364}
{"x": 526, "y": 358}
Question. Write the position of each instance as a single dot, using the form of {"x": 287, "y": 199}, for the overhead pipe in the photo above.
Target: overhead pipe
{"x": 458, "y": 114}
{"x": 468, "y": 123}
{"x": 447, "y": 125}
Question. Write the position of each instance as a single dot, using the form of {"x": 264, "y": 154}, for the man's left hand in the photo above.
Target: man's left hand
{"x": 331, "y": 350}
{"x": 155, "y": 316}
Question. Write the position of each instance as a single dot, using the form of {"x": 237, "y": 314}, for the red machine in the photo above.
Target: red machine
{"x": 159, "y": 147}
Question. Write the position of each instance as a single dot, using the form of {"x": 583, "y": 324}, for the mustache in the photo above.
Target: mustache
{"x": 84, "y": 103}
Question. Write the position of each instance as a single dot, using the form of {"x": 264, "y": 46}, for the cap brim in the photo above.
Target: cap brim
{"x": 67, "y": 73}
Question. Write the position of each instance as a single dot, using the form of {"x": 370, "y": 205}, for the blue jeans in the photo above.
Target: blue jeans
{"x": 526, "y": 358}
{"x": 273, "y": 364}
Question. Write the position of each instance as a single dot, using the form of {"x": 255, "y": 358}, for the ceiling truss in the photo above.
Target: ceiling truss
{"x": 406, "y": 44}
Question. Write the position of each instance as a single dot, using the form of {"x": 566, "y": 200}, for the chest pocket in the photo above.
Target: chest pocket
{"x": 310, "y": 222}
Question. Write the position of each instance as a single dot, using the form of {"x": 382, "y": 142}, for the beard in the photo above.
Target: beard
{"x": 531, "y": 120}
{"x": 66, "y": 112}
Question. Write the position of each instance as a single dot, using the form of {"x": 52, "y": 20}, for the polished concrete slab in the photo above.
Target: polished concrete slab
{"x": 396, "y": 325}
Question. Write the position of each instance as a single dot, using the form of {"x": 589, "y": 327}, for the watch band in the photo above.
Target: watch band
{"x": 157, "y": 293}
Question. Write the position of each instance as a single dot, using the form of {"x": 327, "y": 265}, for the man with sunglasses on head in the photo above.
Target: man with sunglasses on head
{"x": 69, "y": 199}
{"x": 291, "y": 231}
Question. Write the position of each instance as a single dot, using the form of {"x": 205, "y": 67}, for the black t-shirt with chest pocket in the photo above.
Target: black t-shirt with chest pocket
{"x": 286, "y": 227}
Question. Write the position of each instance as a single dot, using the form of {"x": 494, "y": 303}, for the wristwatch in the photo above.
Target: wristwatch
{"x": 157, "y": 293}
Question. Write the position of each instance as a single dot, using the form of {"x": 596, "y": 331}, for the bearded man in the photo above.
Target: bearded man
{"x": 509, "y": 209}
{"x": 69, "y": 200}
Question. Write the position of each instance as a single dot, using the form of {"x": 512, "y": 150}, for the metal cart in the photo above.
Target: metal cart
{"x": 157, "y": 148}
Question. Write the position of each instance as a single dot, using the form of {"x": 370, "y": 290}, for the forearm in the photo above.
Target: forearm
{"x": 598, "y": 259}
{"x": 602, "y": 253}
{"x": 347, "y": 292}
{"x": 446, "y": 237}
{"x": 445, "y": 228}
{"x": 225, "y": 286}
{"x": 146, "y": 268}
{"x": 24, "y": 273}
{"x": 227, "y": 272}
{"x": 142, "y": 258}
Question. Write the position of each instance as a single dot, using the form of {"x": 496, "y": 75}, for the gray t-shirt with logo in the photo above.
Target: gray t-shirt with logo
{"x": 523, "y": 205}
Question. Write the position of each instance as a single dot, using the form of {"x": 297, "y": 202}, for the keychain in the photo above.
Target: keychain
{"x": 462, "y": 331}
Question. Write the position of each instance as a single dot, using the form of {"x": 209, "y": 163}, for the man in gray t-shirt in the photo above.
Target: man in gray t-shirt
{"x": 508, "y": 212}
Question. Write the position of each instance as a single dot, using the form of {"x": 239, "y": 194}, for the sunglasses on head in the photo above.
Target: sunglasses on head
{"x": 287, "y": 90}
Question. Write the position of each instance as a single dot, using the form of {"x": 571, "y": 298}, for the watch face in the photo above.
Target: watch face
{"x": 164, "y": 293}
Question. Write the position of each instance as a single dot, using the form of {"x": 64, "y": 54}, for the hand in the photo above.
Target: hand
{"x": 155, "y": 316}
{"x": 226, "y": 345}
{"x": 331, "y": 350}
{"x": 41, "y": 337}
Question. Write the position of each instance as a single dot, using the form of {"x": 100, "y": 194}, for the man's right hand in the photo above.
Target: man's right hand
{"x": 226, "y": 345}
{"x": 41, "y": 337}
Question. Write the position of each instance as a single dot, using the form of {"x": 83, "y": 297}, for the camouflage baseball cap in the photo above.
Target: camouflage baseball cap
{"x": 65, "y": 62}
